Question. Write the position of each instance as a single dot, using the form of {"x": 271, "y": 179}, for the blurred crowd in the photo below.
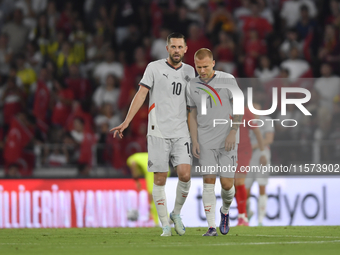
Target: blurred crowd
{"x": 69, "y": 70}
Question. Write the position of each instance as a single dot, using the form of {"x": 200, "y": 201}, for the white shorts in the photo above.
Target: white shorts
{"x": 217, "y": 162}
{"x": 163, "y": 150}
{"x": 259, "y": 177}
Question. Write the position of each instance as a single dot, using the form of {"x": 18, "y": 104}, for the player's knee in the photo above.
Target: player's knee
{"x": 262, "y": 190}
{"x": 209, "y": 180}
{"x": 184, "y": 177}
{"x": 160, "y": 180}
{"x": 227, "y": 186}
{"x": 239, "y": 181}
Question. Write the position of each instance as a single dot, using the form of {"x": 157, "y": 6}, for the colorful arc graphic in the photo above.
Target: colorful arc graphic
{"x": 210, "y": 93}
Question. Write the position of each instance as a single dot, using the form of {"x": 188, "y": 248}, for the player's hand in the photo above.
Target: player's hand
{"x": 263, "y": 160}
{"x": 230, "y": 142}
{"x": 196, "y": 150}
{"x": 119, "y": 130}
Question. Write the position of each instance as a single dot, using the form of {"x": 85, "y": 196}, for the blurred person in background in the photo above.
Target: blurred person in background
{"x": 267, "y": 132}
{"x": 306, "y": 24}
{"x": 138, "y": 164}
{"x": 66, "y": 19}
{"x": 327, "y": 86}
{"x": 290, "y": 11}
{"x": 224, "y": 53}
{"x": 253, "y": 48}
{"x": 266, "y": 72}
{"x": 243, "y": 11}
{"x": 329, "y": 50}
{"x": 281, "y": 81}
{"x": 124, "y": 13}
{"x": 109, "y": 66}
{"x": 195, "y": 41}
{"x": 62, "y": 98}
{"x": 334, "y": 133}
{"x": 79, "y": 38}
{"x": 220, "y": 20}
{"x": 81, "y": 87}
{"x": 54, "y": 47}
{"x": 17, "y": 32}
{"x": 81, "y": 110}
{"x": 181, "y": 21}
{"x": 108, "y": 93}
{"x": 34, "y": 56}
{"x": 52, "y": 16}
{"x": 25, "y": 73}
{"x": 19, "y": 162}
{"x": 292, "y": 114}
{"x": 42, "y": 34}
{"x": 84, "y": 140}
{"x": 265, "y": 11}
{"x": 244, "y": 154}
{"x": 295, "y": 65}
{"x": 130, "y": 44}
{"x": 255, "y": 22}
{"x": 13, "y": 101}
{"x": 42, "y": 103}
{"x": 193, "y": 5}
{"x": 101, "y": 29}
{"x": 334, "y": 17}
{"x": 158, "y": 50}
{"x": 107, "y": 115}
{"x": 97, "y": 50}
{"x": 131, "y": 79}
{"x": 65, "y": 58}
{"x": 291, "y": 41}
{"x": 6, "y": 55}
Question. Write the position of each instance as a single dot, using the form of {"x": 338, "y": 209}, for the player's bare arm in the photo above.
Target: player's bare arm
{"x": 260, "y": 142}
{"x": 231, "y": 138}
{"x": 193, "y": 132}
{"x": 136, "y": 104}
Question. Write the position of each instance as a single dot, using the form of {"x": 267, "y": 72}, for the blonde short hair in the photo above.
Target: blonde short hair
{"x": 202, "y": 53}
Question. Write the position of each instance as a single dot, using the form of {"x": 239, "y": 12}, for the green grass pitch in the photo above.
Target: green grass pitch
{"x": 140, "y": 241}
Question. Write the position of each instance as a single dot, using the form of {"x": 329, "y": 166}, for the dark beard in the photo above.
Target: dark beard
{"x": 175, "y": 61}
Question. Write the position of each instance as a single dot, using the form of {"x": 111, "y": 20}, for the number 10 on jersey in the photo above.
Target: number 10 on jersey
{"x": 177, "y": 88}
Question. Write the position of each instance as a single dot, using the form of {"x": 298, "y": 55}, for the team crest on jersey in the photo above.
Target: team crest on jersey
{"x": 187, "y": 78}
{"x": 150, "y": 164}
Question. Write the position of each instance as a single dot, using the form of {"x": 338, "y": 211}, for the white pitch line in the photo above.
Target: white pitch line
{"x": 189, "y": 245}
{"x": 233, "y": 244}
{"x": 293, "y": 242}
{"x": 291, "y": 236}
{"x": 19, "y": 243}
